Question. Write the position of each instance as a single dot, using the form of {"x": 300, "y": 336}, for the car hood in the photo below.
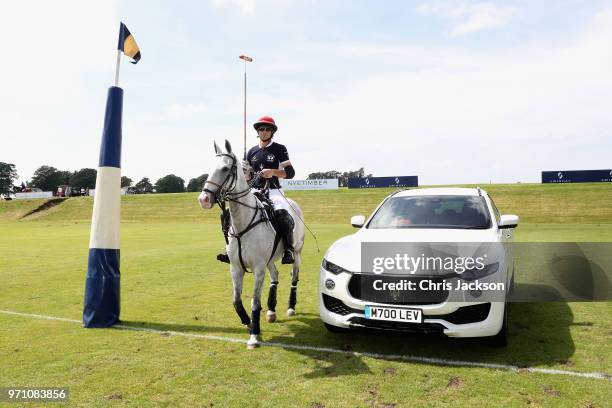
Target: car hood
{"x": 346, "y": 252}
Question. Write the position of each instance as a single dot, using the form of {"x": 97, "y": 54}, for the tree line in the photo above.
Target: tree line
{"x": 49, "y": 178}
{"x": 341, "y": 176}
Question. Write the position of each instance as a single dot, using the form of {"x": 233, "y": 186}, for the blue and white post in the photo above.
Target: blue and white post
{"x": 101, "y": 305}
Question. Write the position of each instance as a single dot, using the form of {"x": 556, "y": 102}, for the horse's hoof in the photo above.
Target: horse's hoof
{"x": 290, "y": 312}
{"x": 253, "y": 342}
{"x": 270, "y": 316}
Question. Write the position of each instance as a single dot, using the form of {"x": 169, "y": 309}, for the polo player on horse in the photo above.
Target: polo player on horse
{"x": 268, "y": 161}
{"x": 252, "y": 234}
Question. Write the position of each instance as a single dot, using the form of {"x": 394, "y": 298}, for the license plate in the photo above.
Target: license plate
{"x": 394, "y": 314}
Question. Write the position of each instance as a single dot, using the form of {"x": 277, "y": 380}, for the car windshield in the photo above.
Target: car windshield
{"x": 463, "y": 212}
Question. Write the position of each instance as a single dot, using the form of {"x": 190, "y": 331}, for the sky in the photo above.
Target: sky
{"x": 451, "y": 91}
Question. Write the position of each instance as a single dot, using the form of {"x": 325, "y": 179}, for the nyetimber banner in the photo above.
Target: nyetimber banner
{"x": 320, "y": 184}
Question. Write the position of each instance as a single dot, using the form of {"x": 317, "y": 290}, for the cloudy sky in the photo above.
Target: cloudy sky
{"x": 453, "y": 92}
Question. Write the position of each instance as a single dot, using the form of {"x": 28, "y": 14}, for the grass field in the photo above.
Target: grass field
{"x": 171, "y": 283}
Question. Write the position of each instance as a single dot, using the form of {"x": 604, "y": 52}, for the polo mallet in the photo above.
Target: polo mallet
{"x": 246, "y": 59}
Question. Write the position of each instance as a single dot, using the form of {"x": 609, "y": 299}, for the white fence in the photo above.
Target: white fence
{"x": 321, "y": 184}
{"x": 34, "y": 194}
{"x": 92, "y": 191}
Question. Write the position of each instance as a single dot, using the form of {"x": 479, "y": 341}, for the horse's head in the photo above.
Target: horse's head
{"x": 222, "y": 178}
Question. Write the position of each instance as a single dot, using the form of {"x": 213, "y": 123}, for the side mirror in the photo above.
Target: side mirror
{"x": 357, "y": 221}
{"x": 508, "y": 221}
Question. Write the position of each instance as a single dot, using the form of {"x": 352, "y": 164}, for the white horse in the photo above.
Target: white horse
{"x": 252, "y": 239}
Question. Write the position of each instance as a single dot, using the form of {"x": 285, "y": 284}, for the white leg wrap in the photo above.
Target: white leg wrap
{"x": 253, "y": 341}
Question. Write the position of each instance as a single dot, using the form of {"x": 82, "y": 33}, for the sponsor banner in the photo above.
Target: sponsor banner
{"x": 577, "y": 176}
{"x": 320, "y": 184}
{"x": 372, "y": 182}
{"x": 35, "y": 194}
{"x": 405, "y": 273}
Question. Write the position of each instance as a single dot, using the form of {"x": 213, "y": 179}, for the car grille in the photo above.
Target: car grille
{"x": 337, "y": 306}
{"x": 463, "y": 315}
{"x": 416, "y": 328}
{"x": 361, "y": 287}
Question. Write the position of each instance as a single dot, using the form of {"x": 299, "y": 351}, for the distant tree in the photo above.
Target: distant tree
{"x": 170, "y": 184}
{"x": 144, "y": 186}
{"x": 64, "y": 176}
{"x": 342, "y": 177}
{"x": 8, "y": 174}
{"x": 197, "y": 184}
{"x": 332, "y": 174}
{"x": 126, "y": 181}
{"x": 84, "y": 178}
{"x": 48, "y": 178}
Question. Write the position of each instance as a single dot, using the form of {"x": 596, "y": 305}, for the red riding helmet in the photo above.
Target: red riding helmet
{"x": 265, "y": 121}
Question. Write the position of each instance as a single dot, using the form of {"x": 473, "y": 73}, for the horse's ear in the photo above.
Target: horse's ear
{"x": 217, "y": 150}
{"x": 228, "y": 146}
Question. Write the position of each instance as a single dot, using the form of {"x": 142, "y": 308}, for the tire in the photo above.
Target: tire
{"x": 335, "y": 329}
{"x": 501, "y": 338}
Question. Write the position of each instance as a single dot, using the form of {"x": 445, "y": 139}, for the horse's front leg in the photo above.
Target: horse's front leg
{"x": 295, "y": 275}
{"x": 237, "y": 278}
{"x": 271, "y": 313}
{"x": 259, "y": 274}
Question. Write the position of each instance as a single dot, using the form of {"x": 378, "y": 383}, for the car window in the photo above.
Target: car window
{"x": 467, "y": 212}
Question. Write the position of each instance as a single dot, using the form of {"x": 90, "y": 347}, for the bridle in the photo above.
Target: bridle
{"x": 225, "y": 192}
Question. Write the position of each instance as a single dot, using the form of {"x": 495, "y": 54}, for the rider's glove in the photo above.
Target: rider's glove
{"x": 247, "y": 169}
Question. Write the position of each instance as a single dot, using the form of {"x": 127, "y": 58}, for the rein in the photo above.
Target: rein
{"x": 224, "y": 194}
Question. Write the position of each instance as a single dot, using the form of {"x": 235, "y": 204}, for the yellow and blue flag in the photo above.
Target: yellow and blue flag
{"x": 127, "y": 44}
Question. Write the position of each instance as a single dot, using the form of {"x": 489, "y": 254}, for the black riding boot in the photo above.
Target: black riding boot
{"x": 286, "y": 224}
{"x": 222, "y": 256}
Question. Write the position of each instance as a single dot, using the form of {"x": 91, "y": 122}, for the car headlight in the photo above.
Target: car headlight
{"x": 474, "y": 273}
{"x": 332, "y": 267}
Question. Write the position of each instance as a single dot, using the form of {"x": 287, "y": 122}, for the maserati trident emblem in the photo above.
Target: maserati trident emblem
{"x": 395, "y": 294}
{"x": 560, "y": 175}
{"x": 396, "y": 180}
{"x": 367, "y": 181}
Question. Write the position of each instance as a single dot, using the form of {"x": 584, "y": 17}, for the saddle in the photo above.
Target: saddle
{"x": 268, "y": 208}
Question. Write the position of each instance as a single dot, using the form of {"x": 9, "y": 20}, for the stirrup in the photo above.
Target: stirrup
{"x": 287, "y": 257}
{"x": 223, "y": 258}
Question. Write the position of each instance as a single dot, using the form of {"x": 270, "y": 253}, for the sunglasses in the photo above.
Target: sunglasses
{"x": 264, "y": 129}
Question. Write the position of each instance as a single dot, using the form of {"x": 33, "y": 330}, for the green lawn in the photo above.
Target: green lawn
{"x": 171, "y": 282}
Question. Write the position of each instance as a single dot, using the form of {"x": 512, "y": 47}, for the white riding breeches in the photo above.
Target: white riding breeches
{"x": 278, "y": 200}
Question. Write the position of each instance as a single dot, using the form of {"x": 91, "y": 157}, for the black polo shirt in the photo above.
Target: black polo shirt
{"x": 273, "y": 156}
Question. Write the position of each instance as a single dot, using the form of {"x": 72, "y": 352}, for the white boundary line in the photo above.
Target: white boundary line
{"x": 413, "y": 359}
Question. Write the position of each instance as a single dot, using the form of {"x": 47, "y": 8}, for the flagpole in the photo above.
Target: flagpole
{"x": 117, "y": 68}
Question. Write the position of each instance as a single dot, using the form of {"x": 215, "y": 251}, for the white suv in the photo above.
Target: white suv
{"x": 353, "y": 294}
